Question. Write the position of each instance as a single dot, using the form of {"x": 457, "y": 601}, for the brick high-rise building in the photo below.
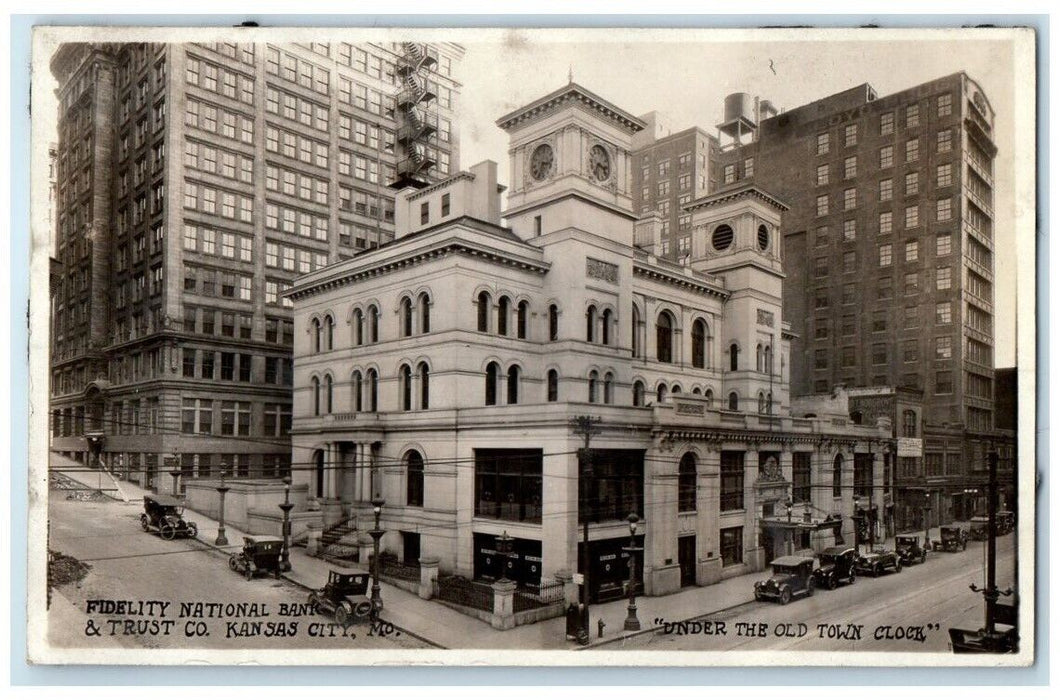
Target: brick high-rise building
{"x": 888, "y": 250}
{"x": 670, "y": 170}
{"x": 195, "y": 182}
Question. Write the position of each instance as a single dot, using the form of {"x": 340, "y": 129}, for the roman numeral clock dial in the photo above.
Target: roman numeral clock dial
{"x": 541, "y": 162}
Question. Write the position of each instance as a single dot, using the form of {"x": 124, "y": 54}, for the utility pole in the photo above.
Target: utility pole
{"x": 587, "y": 427}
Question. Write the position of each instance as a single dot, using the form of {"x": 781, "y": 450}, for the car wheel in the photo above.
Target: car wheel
{"x": 145, "y": 524}
{"x": 832, "y": 582}
{"x": 168, "y": 532}
{"x": 758, "y": 598}
{"x": 785, "y": 596}
{"x": 853, "y": 576}
{"x": 363, "y": 609}
{"x": 898, "y": 567}
{"x": 343, "y": 612}
{"x": 313, "y": 600}
{"x": 192, "y": 530}
{"x": 233, "y": 563}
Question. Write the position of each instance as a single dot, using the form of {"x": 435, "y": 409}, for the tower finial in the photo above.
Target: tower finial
{"x": 570, "y": 73}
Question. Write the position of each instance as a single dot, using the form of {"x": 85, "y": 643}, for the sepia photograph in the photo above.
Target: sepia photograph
{"x": 567, "y": 347}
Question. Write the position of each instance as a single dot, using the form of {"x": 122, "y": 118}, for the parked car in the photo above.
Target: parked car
{"x": 792, "y": 576}
{"x": 951, "y": 539}
{"x": 165, "y": 515}
{"x": 837, "y": 564}
{"x": 1006, "y": 522}
{"x": 344, "y": 596}
{"x": 877, "y": 561}
{"x": 257, "y": 556}
{"x": 909, "y": 549}
{"x": 978, "y": 527}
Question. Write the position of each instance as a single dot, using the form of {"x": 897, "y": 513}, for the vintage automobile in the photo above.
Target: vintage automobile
{"x": 1006, "y": 522}
{"x": 792, "y": 576}
{"x": 837, "y": 564}
{"x": 258, "y": 556}
{"x": 343, "y": 596}
{"x": 978, "y": 527}
{"x": 951, "y": 539}
{"x": 878, "y": 560}
{"x": 165, "y": 515}
{"x": 909, "y": 549}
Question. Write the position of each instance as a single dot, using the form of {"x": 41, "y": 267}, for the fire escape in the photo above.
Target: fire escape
{"x": 417, "y": 122}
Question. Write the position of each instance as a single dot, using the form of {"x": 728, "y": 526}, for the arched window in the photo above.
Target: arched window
{"x": 491, "y": 383}
{"x": 699, "y": 343}
{"x": 316, "y": 335}
{"x": 328, "y": 388}
{"x": 358, "y": 327}
{"x": 769, "y": 402}
{"x": 590, "y": 324}
{"x": 594, "y": 379}
{"x": 837, "y": 476}
{"x": 734, "y": 351}
{"x": 675, "y": 389}
{"x": 634, "y": 341}
{"x": 318, "y": 462}
{"x": 605, "y": 330}
{"x": 734, "y": 401}
{"x": 425, "y": 386}
{"x": 329, "y": 332}
{"x": 664, "y": 334}
{"x": 373, "y": 390}
{"x": 708, "y": 396}
{"x": 425, "y": 313}
{"x": 686, "y": 483}
{"x": 357, "y": 386}
{"x": 759, "y": 364}
{"x": 553, "y": 322}
{"x": 609, "y": 388}
{"x": 513, "y": 384}
{"x": 483, "y": 312}
{"x": 761, "y": 402}
{"x": 406, "y": 387}
{"x": 315, "y": 383}
{"x": 769, "y": 359}
{"x": 406, "y": 317}
{"x": 696, "y": 391}
{"x": 503, "y": 310}
{"x": 413, "y": 478}
{"x": 553, "y": 385}
{"x": 373, "y": 324}
{"x": 660, "y": 393}
{"x": 638, "y": 393}
{"x": 520, "y": 320}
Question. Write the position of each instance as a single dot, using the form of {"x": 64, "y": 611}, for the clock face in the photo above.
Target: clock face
{"x": 541, "y": 162}
{"x": 599, "y": 163}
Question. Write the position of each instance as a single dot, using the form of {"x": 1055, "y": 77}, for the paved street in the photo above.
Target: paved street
{"x": 131, "y": 565}
{"x": 910, "y": 602}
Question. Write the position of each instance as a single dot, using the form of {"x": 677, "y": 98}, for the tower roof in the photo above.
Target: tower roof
{"x": 571, "y": 93}
{"x": 736, "y": 193}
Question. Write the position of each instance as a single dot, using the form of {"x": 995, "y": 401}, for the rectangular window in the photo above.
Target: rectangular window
{"x": 822, "y": 205}
{"x": 849, "y": 326}
{"x": 821, "y": 237}
{"x": 945, "y": 105}
{"x": 822, "y": 144}
{"x": 944, "y": 142}
{"x": 731, "y": 539}
{"x": 508, "y": 484}
{"x": 884, "y": 288}
{"x": 850, "y": 167}
{"x": 912, "y": 116}
{"x": 943, "y": 209}
{"x": 820, "y": 359}
{"x": 912, "y": 250}
{"x": 911, "y": 282}
{"x": 942, "y": 278}
{"x": 912, "y": 216}
{"x": 911, "y": 317}
{"x": 732, "y": 481}
{"x": 879, "y": 321}
{"x": 822, "y": 174}
{"x": 912, "y": 183}
{"x": 847, "y": 357}
{"x": 879, "y": 354}
{"x": 909, "y": 351}
{"x": 943, "y": 314}
{"x": 943, "y": 347}
{"x": 942, "y": 244}
{"x": 820, "y": 268}
{"x": 912, "y": 150}
{"x": 944, "y": 175}
{"x": 887, "y": 156}
{"x": 885, "y": 255}
{"x": 849, "y": 230}
{"x": 850, "y": 262}
{"x": 850, "y": 135}
{"x": 886, "y": 221}
{"x": 849, "y": 293}
{"x": 944, "y": 382}
{"x": 886, "y": 123}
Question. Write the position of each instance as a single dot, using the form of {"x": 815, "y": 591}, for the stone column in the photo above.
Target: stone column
{"x": 753, "y": 555}
{"x": 313, "y": 532}
{"x": 503, "y": 605}
{"x": 570, "y": 588}
{"x": 428, "y": 576}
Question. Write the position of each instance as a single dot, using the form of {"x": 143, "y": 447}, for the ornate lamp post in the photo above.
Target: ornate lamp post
{"x": 175, "y": 473}
{"x": 927, "y": 519}
{"x": 221, "y": 491}
{"x": 791, "y": 533}
{"x": 857, "y": 523}
{"x": 504, "y": 550}
{"x": 377, "y": 534}
{"x": 286, "y": 506}
{"x": 632, "y": 624}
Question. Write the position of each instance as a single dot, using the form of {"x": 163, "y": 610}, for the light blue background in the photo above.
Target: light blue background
{"x": 22, "y": 674}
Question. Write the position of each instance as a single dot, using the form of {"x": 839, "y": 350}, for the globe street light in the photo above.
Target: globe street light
{"x": 377, "y": 534}
{"x": 632, "y": 624}
{"x": 221, "y": 491}
{"x": 286, "y": 506}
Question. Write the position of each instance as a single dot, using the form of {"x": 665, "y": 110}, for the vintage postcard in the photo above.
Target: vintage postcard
{"x": 532, "y": 347}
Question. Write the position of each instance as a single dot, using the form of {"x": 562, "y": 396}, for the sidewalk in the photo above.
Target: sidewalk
{"x": 444, "y": 627}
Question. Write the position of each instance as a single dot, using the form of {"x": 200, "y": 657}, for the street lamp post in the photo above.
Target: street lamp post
{"x": 175, "y": 473}
{"x": 791, "y": 533}
{"x": 632, "y": 624}
{"x": 286, "y": 506}
{"x": 857, "y": 524}
{"x": 504, "y": 549}
{"x": 377, "y": 534}
{"x": 221, "y": 540}
{"x": 927, "y": 519}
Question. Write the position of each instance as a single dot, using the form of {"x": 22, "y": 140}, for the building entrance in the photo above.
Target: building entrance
{"x": 686, "y": 559}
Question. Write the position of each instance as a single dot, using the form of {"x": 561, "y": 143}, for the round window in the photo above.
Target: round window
{"x": 763, "y": 237}
{"x": 722, "y": 238}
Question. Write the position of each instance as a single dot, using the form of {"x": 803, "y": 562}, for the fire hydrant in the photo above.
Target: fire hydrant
{"x": 600, "y": 628}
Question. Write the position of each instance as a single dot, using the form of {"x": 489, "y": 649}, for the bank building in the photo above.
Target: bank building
{"x": 446, "y": 372}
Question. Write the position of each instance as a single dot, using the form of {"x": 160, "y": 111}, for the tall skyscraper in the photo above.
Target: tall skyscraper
{"x": 888, "y": 252}
{"x": 195, "y": 182}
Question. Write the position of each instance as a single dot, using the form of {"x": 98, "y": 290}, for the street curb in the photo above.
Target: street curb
{"x": 303, "y": 586}
{"x": 651, "y": 630}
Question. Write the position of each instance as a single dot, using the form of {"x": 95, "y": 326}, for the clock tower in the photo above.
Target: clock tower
{"x": 571, "y": 165}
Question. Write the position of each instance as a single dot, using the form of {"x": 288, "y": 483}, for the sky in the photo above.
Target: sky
{"x": 685, "y": 75}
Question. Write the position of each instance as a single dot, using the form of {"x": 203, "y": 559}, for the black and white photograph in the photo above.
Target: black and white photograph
{"x": 586, "y": 347}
